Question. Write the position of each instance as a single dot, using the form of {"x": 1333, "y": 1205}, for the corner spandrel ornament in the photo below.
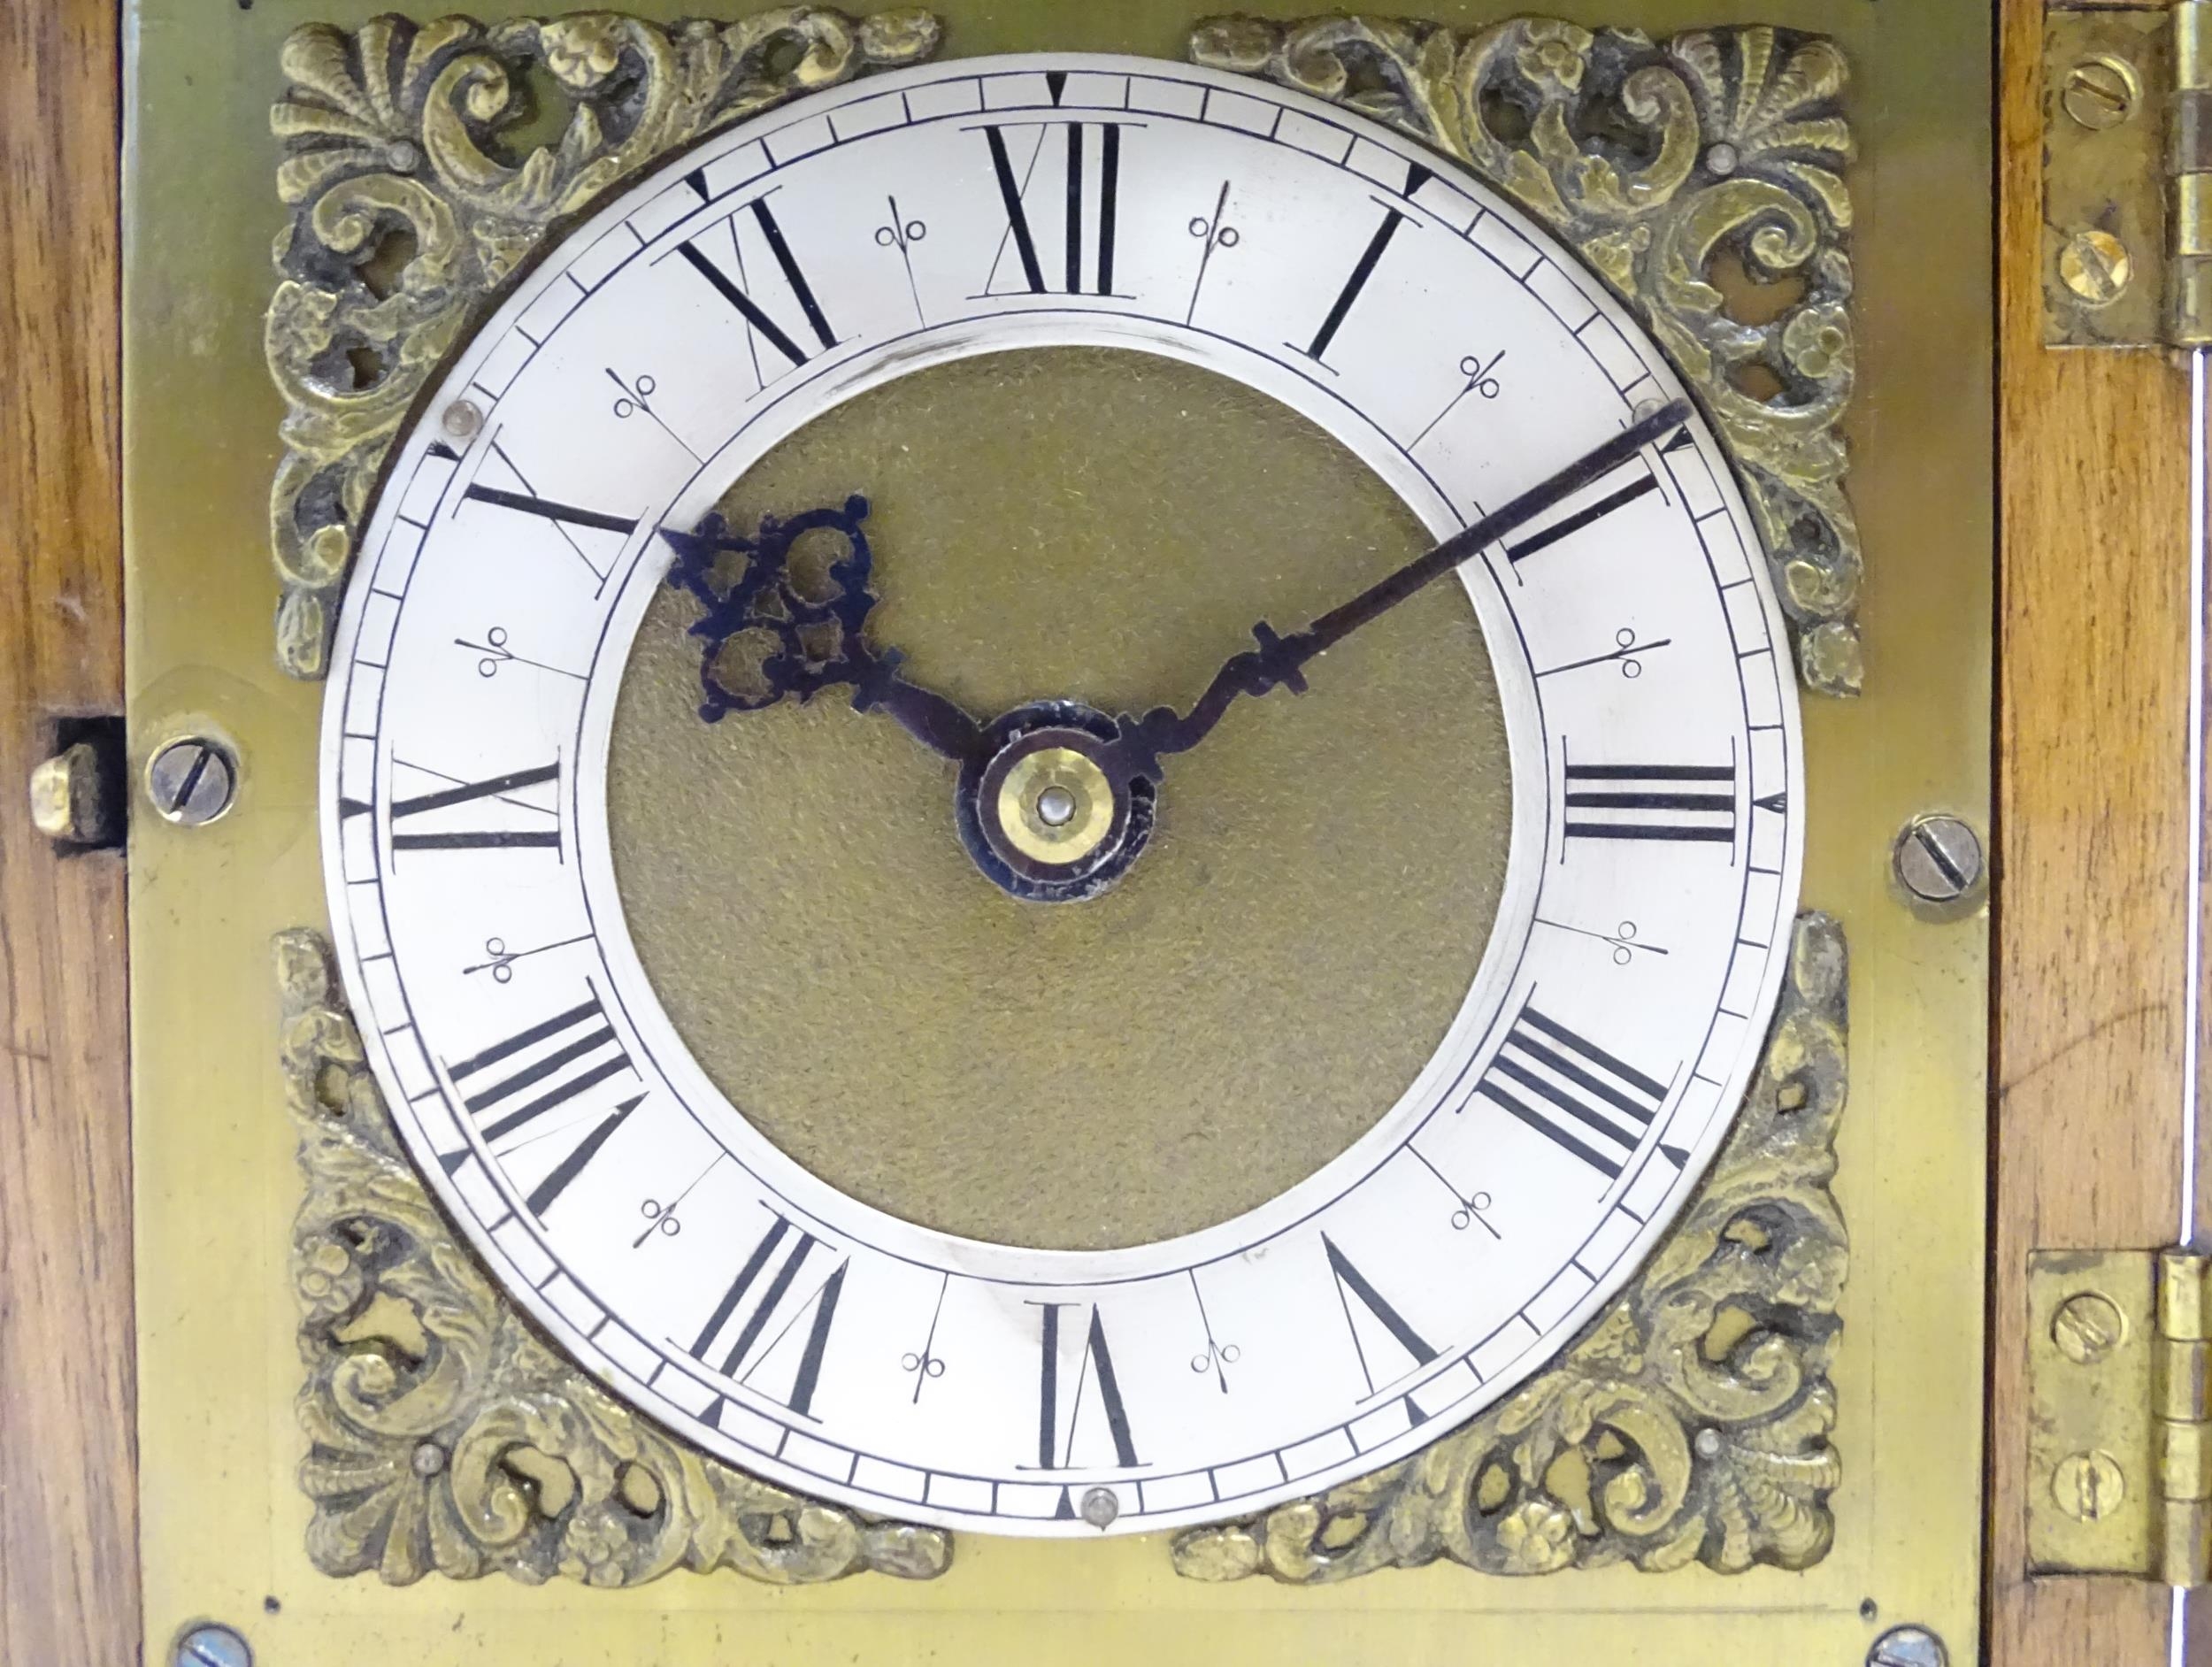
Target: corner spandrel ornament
{"x": 1689, "y": 1423}
{"x": 444, "y": 1435}
{"x": 1661, "y": 163}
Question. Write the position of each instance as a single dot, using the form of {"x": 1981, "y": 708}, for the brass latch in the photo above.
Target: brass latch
{"x": 2127, "y": 175}
{"x": 2120, "y": 1419}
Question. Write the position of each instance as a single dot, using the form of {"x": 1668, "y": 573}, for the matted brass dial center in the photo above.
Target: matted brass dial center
{"x": 1055, "y": 805}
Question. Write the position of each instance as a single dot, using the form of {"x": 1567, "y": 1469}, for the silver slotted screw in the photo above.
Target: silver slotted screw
{"x": 192, "y": 780}
{"x": 1938, "y": 860}
{"x": 212, "y": 1646}
{"x": 1908, "y": 1646}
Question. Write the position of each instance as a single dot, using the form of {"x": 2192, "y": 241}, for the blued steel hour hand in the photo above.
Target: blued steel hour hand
{"x": 770, "y": 632}
{"x": 1279, "y": 662}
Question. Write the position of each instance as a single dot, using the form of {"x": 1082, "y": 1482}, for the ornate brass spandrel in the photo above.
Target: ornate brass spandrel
{"x": 443, "y": 1434}
{"x": 412, "y": 200}
{"x": 1689, "y": 1423}
{"x": 1702, "y": 176}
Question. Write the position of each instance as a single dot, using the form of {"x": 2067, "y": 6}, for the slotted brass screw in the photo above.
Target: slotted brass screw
{"x": 2096, "y": 266}
{"x": 2099, "y": 93}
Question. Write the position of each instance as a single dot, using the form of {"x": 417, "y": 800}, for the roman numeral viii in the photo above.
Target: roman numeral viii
{"x": 513, "y": 1083}
{"x": 1079, "y": 152}
{"x": 1692, "y": 803}
{"x": 1055, "y": 1437}
{"x": 1572, "y": 1092}
{"x": 736, "y": 1328}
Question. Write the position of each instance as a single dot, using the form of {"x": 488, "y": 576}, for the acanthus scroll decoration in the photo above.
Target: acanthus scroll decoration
{"x": 411, "y": 204}
{"x": 1660, "y": 163}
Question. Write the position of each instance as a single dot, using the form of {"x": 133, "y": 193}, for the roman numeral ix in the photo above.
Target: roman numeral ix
{"x": 467, "y": 793}
{"x": 1571, "y": 1091}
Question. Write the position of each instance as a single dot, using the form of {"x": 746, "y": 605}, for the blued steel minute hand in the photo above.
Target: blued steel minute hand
{"x": 1279, "y": 661}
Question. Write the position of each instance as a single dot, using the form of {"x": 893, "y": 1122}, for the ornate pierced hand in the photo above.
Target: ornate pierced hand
{"x": 804, "y": 636}
{"x": 1055, "y": 800}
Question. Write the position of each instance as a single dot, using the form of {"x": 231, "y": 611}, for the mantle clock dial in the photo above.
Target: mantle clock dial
{"x": 568, "y": 501}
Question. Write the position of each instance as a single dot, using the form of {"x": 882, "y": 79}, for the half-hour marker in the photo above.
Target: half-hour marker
{"x": 666, "y": 1219}
{"x": 902, "y": 233}
{"x": 1569, "y": 1090}
{"x": 1626, "y": 945}
{"x": 497, "y": 655}
{"x": 499, "y": 787}
{"x": 1217, "y": 1356}
{"x": 1623, "y": 654}
{"x": 925, "y": 1362}
{"x": 1481, "y": 378}
{"x": 1689, "y": 803}
{"x": 500, "y": 960}
{"x": 1468, "y": 1209}
{"x": 1352, "y": 1286}
{"x": 1362, "y": 270}
{"x": 1214, "y": 233}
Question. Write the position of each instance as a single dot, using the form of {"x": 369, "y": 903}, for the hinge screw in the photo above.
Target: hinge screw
{"x": 2099, "y": 93}
{"x": 2087, "y": 1327}
{"x": 212, "y": 1646}
{"x": 1908, "y": 1646}
{"x": 2088, "y": 1487}
{"x": 192, "y": 780}
{"x": 2096, "y": 266}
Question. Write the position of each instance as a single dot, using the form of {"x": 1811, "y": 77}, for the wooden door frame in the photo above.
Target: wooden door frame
{"x": 2085, "y": 1036}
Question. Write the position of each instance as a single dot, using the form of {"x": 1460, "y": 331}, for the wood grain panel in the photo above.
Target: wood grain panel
{"x": 2093, "y": 610}
{"x": 68, "y": 1535}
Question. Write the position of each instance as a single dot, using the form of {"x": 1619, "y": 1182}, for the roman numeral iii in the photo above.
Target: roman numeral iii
{"x": 1570, "y": 1091}
{"x": 1689, "y": 804}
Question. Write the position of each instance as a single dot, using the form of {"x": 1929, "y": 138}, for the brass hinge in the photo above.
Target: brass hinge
{"x": 2119, "y": 1417}
{"x": 2127, "y": 175}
